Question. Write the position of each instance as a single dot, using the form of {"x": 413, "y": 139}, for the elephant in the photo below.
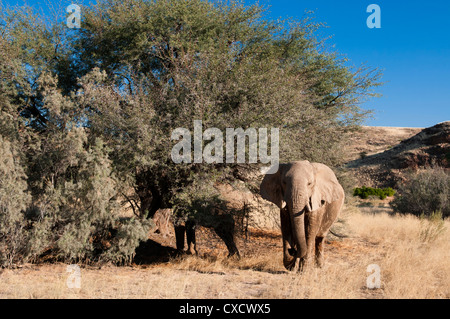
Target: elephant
{"x": 152, "y": 199}
{"x": 224, "y": 227}
{"x": 310, "y": 199}
{"x": 225, "y": 215}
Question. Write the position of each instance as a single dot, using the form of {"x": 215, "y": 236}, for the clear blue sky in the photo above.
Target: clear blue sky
{"x": 412, "y": 47}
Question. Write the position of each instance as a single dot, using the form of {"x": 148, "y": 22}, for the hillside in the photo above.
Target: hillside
{"x": 381, "y": 156}
{"x": 371, "y": 140}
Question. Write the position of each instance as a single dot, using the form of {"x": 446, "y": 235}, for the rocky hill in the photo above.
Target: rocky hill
{"x": 371, "y": 140}
{"x": 426, "y": 148}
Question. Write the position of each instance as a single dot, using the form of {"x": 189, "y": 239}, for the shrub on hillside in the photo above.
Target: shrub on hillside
{"x": 366, "y": 192}
{"x": 424, "y": 193}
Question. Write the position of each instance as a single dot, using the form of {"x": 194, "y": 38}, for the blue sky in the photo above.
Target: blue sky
{"x": 412, "y": 48}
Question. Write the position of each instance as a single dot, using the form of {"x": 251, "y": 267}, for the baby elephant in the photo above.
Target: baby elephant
{"x": 310, "y": 199}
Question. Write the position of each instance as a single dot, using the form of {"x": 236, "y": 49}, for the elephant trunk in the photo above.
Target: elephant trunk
{"x": 298, "y": 228}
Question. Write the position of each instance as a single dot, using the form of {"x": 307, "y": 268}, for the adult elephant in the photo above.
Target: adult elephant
{"x": 310, "y": 199}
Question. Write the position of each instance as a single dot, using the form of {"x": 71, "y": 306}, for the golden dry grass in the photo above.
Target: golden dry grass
{"x": 411, "y": 267}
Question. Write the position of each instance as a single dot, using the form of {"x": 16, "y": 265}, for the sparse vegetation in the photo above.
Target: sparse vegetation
{"x": 411, "y": 268}
{"x": 432, "y": 227}
{"x": 13, "y": 201}
{"x": 424, "y": 193}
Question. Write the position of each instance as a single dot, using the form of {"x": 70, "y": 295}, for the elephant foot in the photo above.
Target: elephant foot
{"x": 292, "y": 265}
{"x": 319, "y": 261}
{"x": 297, "y": 264}
{"x": 289, "y": 265}
{"x": 179, "y": 253}
{"x": 192, "y": 251}
{"x": 234, "y": 255}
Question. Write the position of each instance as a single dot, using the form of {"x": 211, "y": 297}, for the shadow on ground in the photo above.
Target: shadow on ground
{"x": 151, "y": 252}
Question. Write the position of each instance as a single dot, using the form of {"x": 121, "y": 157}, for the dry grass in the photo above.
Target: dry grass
{"x": 411, "y": 267}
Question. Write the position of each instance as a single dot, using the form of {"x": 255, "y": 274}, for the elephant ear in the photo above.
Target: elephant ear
{"x": 271, "y": 188}
{"x": 327, "y": 188}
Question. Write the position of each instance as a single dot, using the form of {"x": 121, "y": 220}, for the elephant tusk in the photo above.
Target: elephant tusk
{"x": 309, "y": 206}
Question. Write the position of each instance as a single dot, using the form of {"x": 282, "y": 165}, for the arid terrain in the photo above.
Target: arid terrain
{"x": 412, "y": 255}
{"x": 412, "y": 266}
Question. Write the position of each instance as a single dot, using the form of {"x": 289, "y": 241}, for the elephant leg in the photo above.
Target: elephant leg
{"x": 286, "y": 232}
{"x": 191, "y": 241}
{"x": 312, "y": 225}
{"x": 319, "y": 251}
{"x": 228, "y": 238}
{"x": 180, "y": 232}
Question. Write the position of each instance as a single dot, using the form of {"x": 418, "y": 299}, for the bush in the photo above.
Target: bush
{"x": 13, "y": 202}
{"x": 80, "y": 216}
{"x": 366, "y": 192}
{"x": 424, "y": 193}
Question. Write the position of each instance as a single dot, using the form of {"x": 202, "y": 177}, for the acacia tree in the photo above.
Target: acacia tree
{"x": 160, "y": 65}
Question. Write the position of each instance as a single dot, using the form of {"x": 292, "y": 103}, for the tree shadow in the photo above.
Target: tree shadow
{"x": 151, "y": 252}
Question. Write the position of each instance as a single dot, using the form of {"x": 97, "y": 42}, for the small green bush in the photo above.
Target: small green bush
{"x": 365, "y": 192}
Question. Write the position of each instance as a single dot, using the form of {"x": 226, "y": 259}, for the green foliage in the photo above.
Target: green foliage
{"x": 366, "y": 192}
{"x": 163, "y": 64}
{"x": 80, "y": 207}
{"x": 221, "y": 64}
{"x": 424, "y": 193}
{"x": 58, "y": 193}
